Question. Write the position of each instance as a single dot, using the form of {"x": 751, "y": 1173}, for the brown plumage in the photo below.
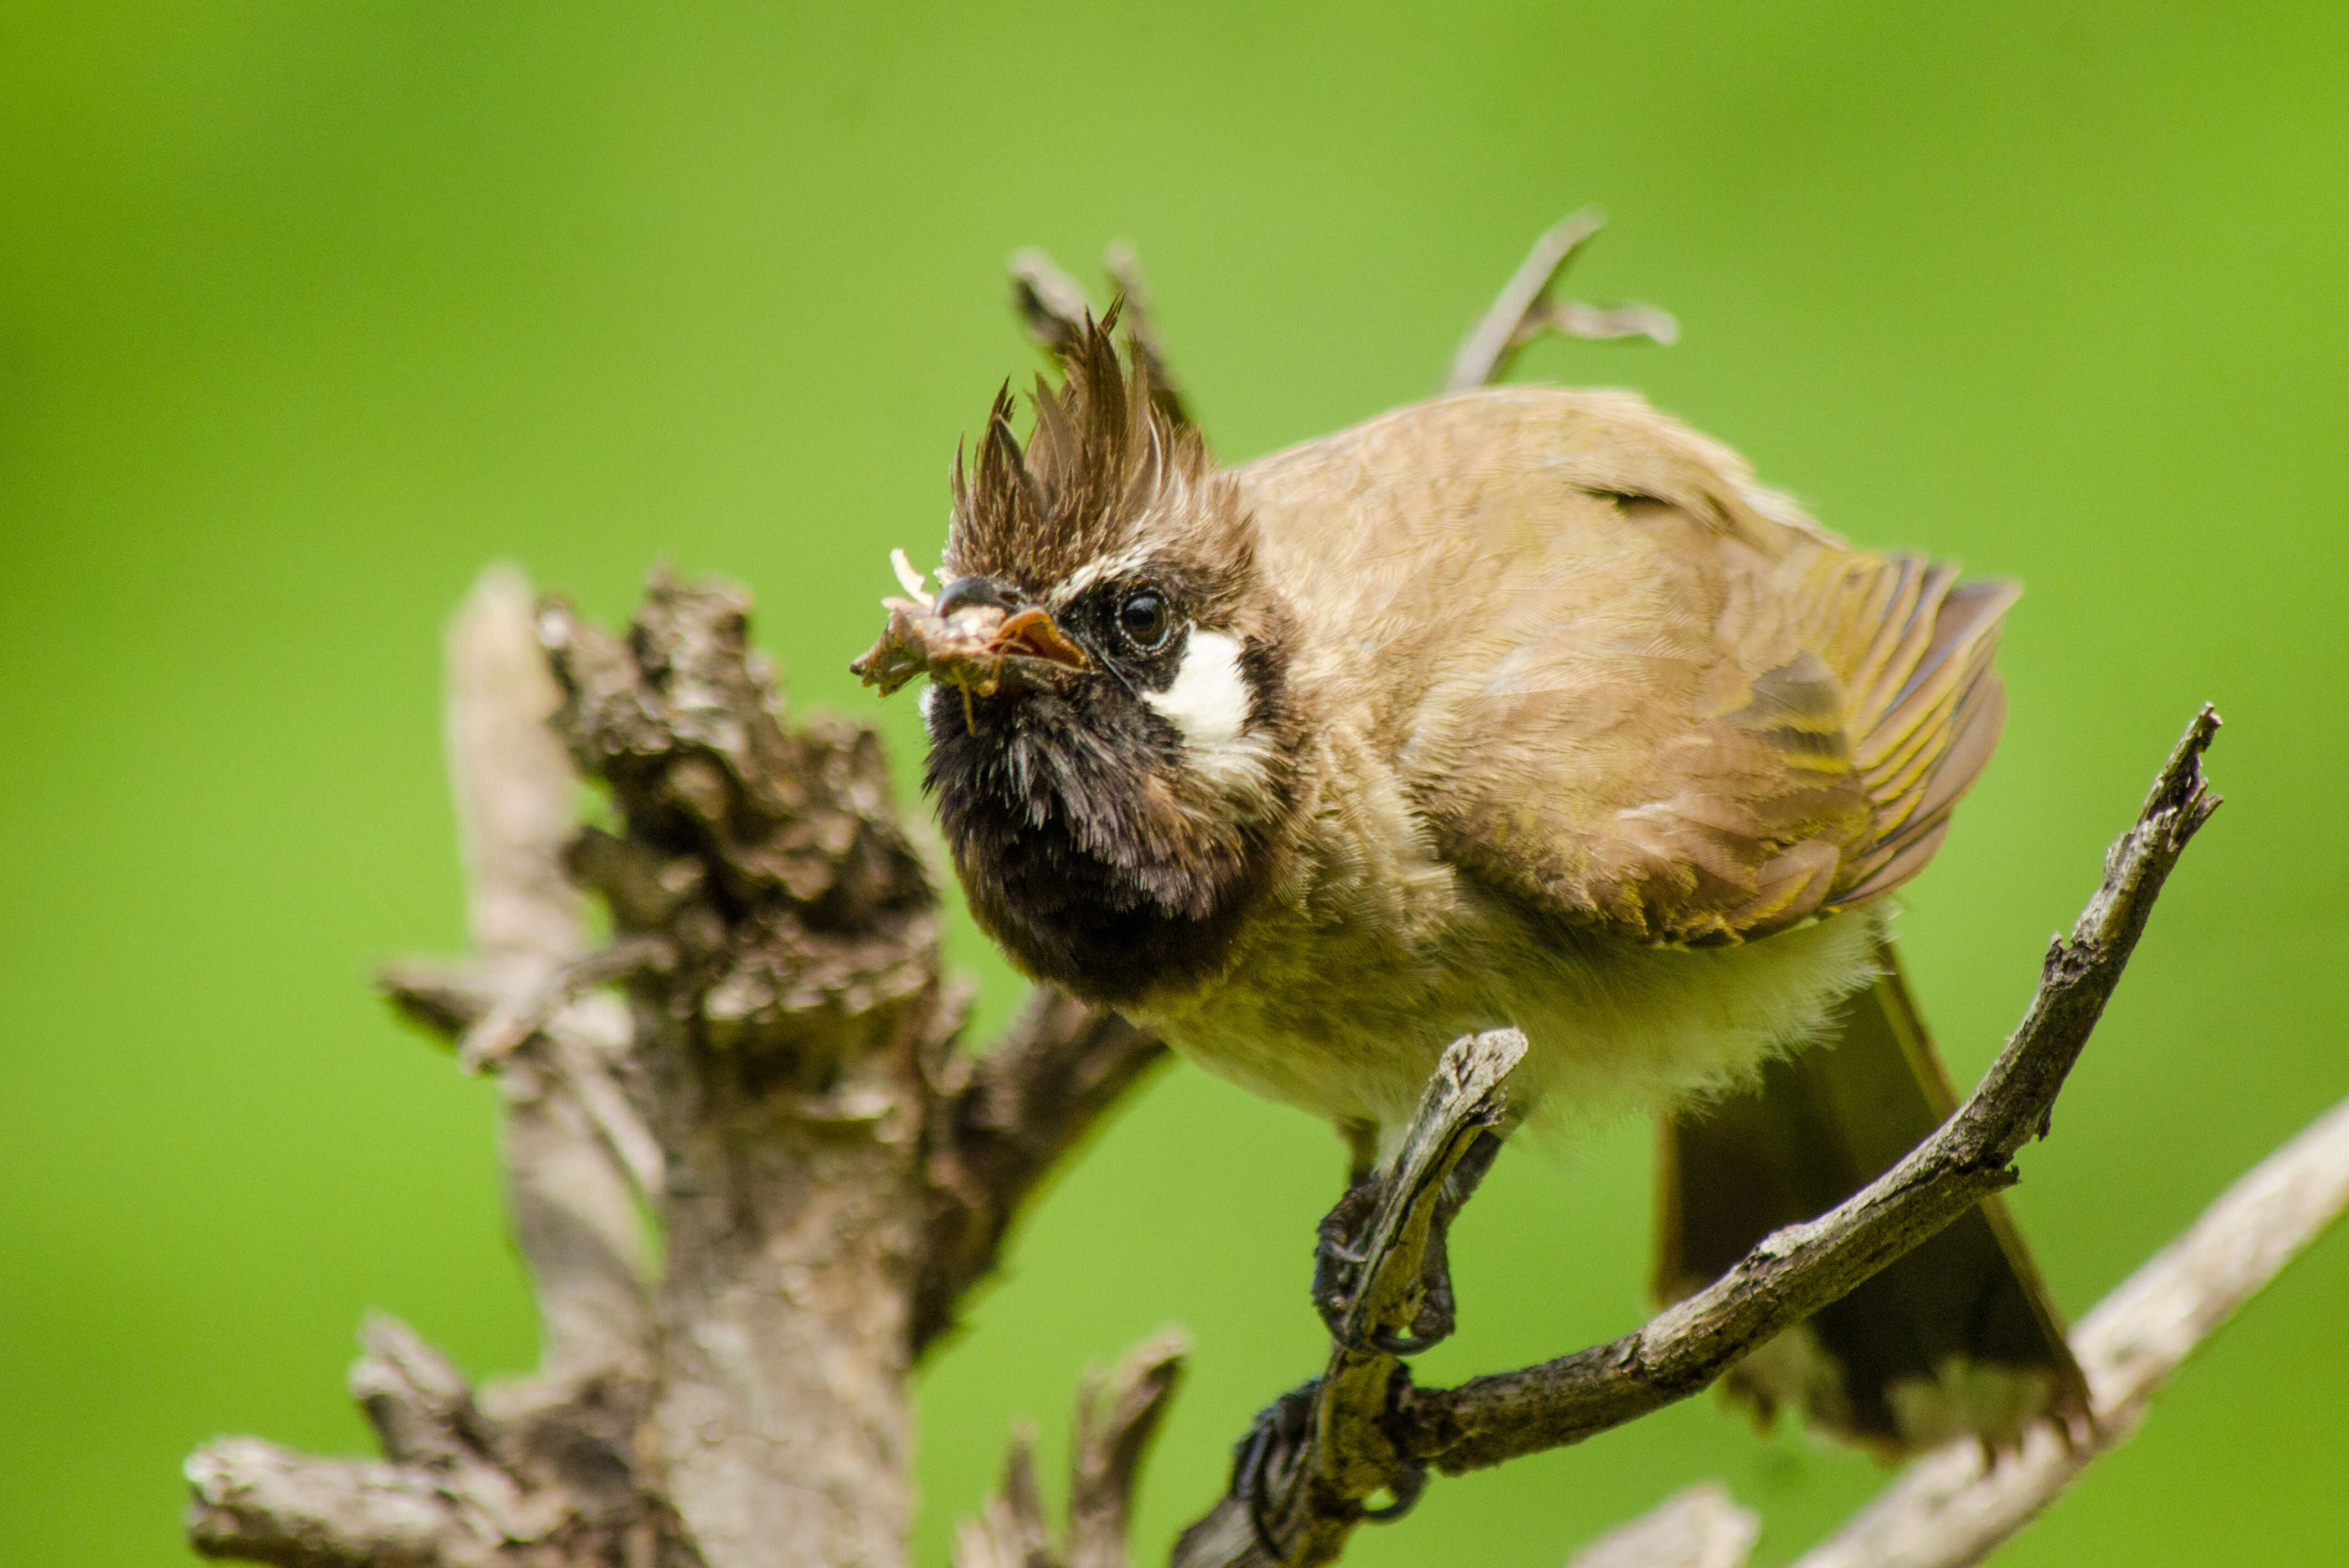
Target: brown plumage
{"x": 1525, "y": 705}
{"x": 1628, "y": 685}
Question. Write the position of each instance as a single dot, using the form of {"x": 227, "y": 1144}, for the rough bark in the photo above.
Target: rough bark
{"x": 780, "y": 1093}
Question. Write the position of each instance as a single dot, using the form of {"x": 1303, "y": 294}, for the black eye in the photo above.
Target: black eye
{"x": 1146, "y": 620}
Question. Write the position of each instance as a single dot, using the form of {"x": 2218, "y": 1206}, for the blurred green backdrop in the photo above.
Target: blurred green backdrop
{"x": 308, "y": 311}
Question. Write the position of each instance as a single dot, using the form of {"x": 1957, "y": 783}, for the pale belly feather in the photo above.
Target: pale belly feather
{"x": 1346, "y": 1019}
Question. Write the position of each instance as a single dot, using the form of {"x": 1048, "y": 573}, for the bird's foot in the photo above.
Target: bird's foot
{"x": 1265, "y": 1463}
{"x": 1340, "y": 1255}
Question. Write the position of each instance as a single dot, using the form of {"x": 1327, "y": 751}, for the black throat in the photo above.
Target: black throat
{"x": 1081, "y": 849}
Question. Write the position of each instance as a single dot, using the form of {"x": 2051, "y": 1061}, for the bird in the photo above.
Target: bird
{"x": 1524, "y": 706}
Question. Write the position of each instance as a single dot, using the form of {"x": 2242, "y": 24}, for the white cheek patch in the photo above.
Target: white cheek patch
{"x": 1208, "y": 705}
{"x": 1209, "y": 700}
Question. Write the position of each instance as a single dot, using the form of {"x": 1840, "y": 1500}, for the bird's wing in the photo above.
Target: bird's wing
{"x": 1617, "y": 678}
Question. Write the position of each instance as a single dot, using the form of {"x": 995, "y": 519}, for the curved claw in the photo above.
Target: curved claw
{"x": 1407, "y": 1487}
{"x": 1406, "y": 1344}
{"x": 1260, "y": 1460}
{"x": 1338, "y": 1255}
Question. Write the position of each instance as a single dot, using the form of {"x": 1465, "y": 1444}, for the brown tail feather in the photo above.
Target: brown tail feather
{"x": 1956, "y": 1338}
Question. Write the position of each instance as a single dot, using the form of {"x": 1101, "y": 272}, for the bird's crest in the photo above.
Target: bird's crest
{"x": 1101, "y": 459}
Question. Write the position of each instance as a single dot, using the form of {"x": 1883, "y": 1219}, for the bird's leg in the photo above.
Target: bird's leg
{"x": 1338, "y": 1255}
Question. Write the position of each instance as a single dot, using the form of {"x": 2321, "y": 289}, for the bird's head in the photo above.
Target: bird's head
{"x": 1113, "y": 743}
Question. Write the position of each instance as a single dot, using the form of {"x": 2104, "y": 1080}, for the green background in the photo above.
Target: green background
{"x": 308, "y": 311}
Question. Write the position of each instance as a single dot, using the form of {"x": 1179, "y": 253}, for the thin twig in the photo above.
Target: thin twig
{"x": 1599, "y": 324}
{"x": 1117, "y": 1419}
{"x": 524, "y": 1010}
{"x": 575, "y": 1041}
{"x": 1948, "y": 1512}
{"x": 1051, "y": 304}
{"x": 1124, "y": 268}
{"x": 1054, "y": 308}
{"x": 1796, "y": 1271}
{"x": 1522, "y": 311}
{"x": 1003, "y": 1123}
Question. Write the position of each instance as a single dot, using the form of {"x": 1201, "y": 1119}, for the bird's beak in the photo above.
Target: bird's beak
{"x": 976, "y": 632}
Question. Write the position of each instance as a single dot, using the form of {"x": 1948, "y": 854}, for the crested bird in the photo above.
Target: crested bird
{"x": 1526, "y": 706}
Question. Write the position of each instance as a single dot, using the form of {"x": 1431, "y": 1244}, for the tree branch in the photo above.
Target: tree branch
{"x": 460, "y": 1489}
{"x": 567, "y": 1167}
{"x": 262, "y": 1503}
{"x": 1796, "y": 1271}
{"x": 1696, "y": 1528}
{"x": 1524, "y": 310}
{"x": 1117, "y": 1419}
{"x": 1359, "y": 1448}
{"x": 1000, "y": 1124}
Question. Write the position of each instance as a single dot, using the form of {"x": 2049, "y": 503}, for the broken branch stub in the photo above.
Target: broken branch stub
{"x": 1117, "y": 1418}
{"x": 776, "y": 1064}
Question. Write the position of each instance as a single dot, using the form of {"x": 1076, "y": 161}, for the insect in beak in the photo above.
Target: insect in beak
{"x": 976, "y": 634}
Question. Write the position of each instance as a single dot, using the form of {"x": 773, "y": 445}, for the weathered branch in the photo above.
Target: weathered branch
{"x": 1950, "y": 1511}
{"x": 1796, "y": 1271}
{"x": 1789, "y": 1275}
{"x": 525, "y": 1010}
{"x": 1696, "y": 1528}
{"x": 567, "y": 1165}
{"x": 780, "y": 1088}
{"x": 257, "y": 1502}
{"x": 460, "y": 1486}
{"x": 1117, "y": 1419}
{"x": 1524, "y": 310}
{"x": 1003, "y": 1123}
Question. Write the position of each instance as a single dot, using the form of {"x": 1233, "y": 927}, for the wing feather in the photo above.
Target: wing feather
{"x": 1618, "y": 679}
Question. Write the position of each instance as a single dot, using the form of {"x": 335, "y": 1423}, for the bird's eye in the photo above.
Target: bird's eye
{"x": 1144, "y": 619}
